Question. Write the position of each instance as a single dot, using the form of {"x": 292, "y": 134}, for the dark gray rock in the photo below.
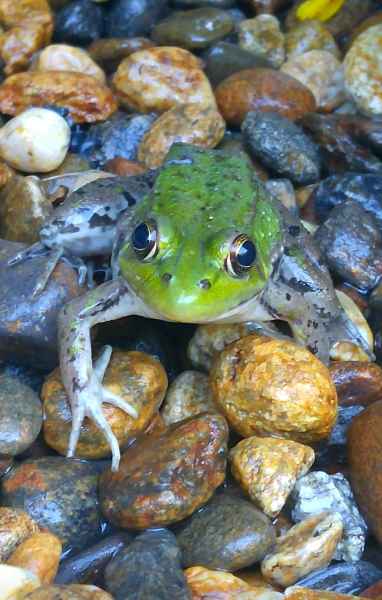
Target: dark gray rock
{"x": 350, "y": 241}
{"x": 20, "y": 415}
{"x": 229, "y": 533}
{"x": 343, "y": 578}
{"x": 282, "y": 147}
{"x": 223, "y": 59}
{"x": 148, "y": 568}
{"x": 80, "y": 23}
{"x": 128, "y": 18}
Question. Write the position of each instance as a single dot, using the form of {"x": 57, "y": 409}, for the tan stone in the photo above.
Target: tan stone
{"x": 274, "y": 387}
{"x": 307, "y": 546}
{"x": 159, "y": 78}
{"x": 267, "y": 469}
{"x": 16, "y": 583}
{"x": 15, "y": 527}
{"x": 62, "y": 57}
{"x": 188, "y": 395}
{"x": 188, "y": 124}
{"x": 263, "y": 37}
{"x": 69, "y": 592}
{"x": 298, "y": 593}
{"x": 39, "y": 554}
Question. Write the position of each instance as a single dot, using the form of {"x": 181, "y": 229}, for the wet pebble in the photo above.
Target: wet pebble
{"x": 109, "y": 52}
{"x": 150, "y": 567}
{"x": 186, "y": 124}
{"x": 129, "y": 18}
{"x": 356, "y": 383}
{"x": 307, "y": 546}
{"x": 282, "y": 146}
{"x": 263, "y": 36}
{"x": 70, "y": 592}
{"x": 16, "y": 583}
{"x": 193, "y": 29}
{"x": 188, "y": 395}
{"x": 283, "y": 190}
{"x": 15, "y": 527}
{"x": 322, "y": 73}
{"x": 71, "y": 511}
{"x": 158, "y": 79}
{"x": 62, "y": 57}
{"x": 342, "y": 577}
{"x": 363, "y": 71}
{"x": 224, "y": 59}
{"x": 280, "y": 389}
{"x": 351, "y": 243}
{"x": 227, "y": 534}
{"x": 39, "y": 554}
{"x": 264, "y": 90}
{"x": 20, "y": 415}
{"x": 147, "y": 490}
{"x": 205, "y": 583}
{"x": 267, "y": 469}
{"x": 319, "y": 491}
{"x": 136, "y": 377}
{"x": 310, "y": 35}
{"x": 79, "y": 23}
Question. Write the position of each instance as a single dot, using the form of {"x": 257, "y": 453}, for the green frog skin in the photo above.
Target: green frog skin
{"x": 207, "y": 245}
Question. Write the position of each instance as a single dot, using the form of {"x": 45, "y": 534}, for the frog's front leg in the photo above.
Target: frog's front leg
{"x": 83, "y": 384}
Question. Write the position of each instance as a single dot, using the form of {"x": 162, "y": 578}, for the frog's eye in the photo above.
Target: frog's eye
{"x": 145, "y": 240}
{"x": 241, "y": 257}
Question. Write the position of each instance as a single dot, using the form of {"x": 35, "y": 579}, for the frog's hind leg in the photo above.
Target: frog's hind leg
{"x": 38, "y": 250}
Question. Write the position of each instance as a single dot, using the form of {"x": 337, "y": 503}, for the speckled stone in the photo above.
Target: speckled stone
{"x": 322, "y": 73}
{"x": 188, "y": 395}
{"x": 363, "y": 71}
{"x": 155, "y": 488}
{"x": 70, "y": 592}
{"x": 310, "y": 35}
{"x": 20, "y": 415}
{"x": 15, "y": 527}
{"x": 150, "y": 567}
{"x": 305, "y": 547}
{"x": 318, "y": 491}
{"x": 228, "y": 534}
{"x": 267, "y": 469}
{"x": 263, "y": 36}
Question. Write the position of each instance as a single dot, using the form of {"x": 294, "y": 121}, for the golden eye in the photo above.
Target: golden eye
{"x": 241, "y": 257}
{"x": 145, "y": 240}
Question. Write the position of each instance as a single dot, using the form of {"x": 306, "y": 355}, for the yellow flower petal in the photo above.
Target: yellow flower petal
{"x": 318, "y": 9}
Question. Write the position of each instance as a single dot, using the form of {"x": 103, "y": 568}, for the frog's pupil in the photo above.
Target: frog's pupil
{"x": 246, "y": 255}
{"x": 141, "y": 237}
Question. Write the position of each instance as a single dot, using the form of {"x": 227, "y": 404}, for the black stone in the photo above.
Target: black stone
{"x": 128, "y": 18}
{"x": 149, "y": 567}
{"x": 80, "y": 22}
{"x": 223, "y": 59}
{"x": 343, "y": 578}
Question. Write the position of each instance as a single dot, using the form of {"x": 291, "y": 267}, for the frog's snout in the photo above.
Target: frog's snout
{"x": 203, "y": 284}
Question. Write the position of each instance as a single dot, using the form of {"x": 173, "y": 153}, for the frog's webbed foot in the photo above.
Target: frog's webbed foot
{"x": 88, "y": 403}
{"x": 36, "y": 250}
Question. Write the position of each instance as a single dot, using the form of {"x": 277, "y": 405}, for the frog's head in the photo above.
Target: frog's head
{"x": 206, "y": 239}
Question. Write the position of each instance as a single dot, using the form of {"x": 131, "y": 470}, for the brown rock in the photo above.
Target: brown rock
{"x": 322, "y": 73}
{"x": 124, "y": 167}
{"x": 267, "y": 469}
{"x": 29, "y": 25}
{"x": 273, "y": 387}
{"x": 297, "y": 593}
{"x": 207, "y": 584}
{"x": 6, "y": 174}
{"x": 134, "y": 376}
{"x": 307, "y": 546}
{"x": 23, "y": 198}
{"x": 39, "y": 554}
{"x": 186, "y": 123}
{"x": 69, "y": 592}
{"x": 109, "y": 52}
{"x": 374, "y": 591}
{"x": 365, "y": 459}
{"x": 157, "y": 79}
{"x": 255, "y": 578}
{"x": 155, "y": 488}
{"x": 62, "y": 57}
{"x": 264, "y": 90}
{"x": 86, "y": 98}
{"x": 268, "y": 6}
{"x": 15, "y": 527}
{"x": 188, "y": 395}
{"x": 357, "y": 382}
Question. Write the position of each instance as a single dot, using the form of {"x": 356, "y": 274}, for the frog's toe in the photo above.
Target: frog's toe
{"x": 119, "y": 402}
{"x": 77, "y": 419}
{"x": 96, "y": 414}
{"x": 102, "y": 362}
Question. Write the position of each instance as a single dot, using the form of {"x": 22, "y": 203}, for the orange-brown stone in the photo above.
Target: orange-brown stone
{"x": 39, "y": 554}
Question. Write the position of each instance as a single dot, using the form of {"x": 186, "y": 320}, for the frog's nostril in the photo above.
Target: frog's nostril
{"x": 205, "y": 284}
{"x": 166, "y": 277}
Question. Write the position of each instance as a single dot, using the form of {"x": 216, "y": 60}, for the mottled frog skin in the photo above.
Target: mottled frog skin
{"x": 207, "y": 245}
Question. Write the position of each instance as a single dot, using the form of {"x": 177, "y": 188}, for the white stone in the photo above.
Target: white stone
{"x": 37, "y": 140}
{"x": 16, "y": 583}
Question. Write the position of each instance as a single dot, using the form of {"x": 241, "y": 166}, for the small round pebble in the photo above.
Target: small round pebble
{"x": 37, "y": 140}
{"x": 228, "y": 534}
{"x": 267, "y": 469}
{"x": 188, "y": 395}
{"x": 40, "y": 554}
{"x": 109, "y": 52}
{"x": 357, "y": 382}
{"x": 134, "y": 376}
{"x": 16, "y": 583}
{"x": 363, "y": 71}
{"x": 305, "y": 547}
{"x": 262, "y": 36}
{"x": 322, "y": 73}
{"x": 79, "y": 23}
{"x": 310, "y": 35}
{"x": 62, "y": 57}
{"x": 20, "y": 415}
{"x": 188, "y": 124}
{"x": 15, "y": 527}
{"x": 274, "y": 387}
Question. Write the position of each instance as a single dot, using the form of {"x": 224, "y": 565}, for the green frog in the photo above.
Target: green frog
{"x": 208, "y": 244}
